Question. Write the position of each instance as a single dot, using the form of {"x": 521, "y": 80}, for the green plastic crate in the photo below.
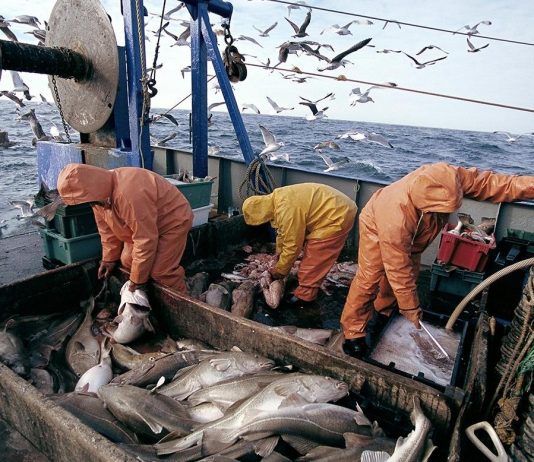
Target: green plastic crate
{"x": 56, "y": 247}
{"x": 71, "y": 220}
{"x": 198, "y": 194}
{"x": 456, "y": 282}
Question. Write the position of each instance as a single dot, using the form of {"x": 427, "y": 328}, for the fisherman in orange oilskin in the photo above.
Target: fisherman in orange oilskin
{"x": 397, "y": 224}
{"x": 143, "y": 221}
{"x": 308, "y": 217}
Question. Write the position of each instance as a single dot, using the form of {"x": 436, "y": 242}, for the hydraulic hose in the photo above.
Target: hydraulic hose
{"x": 485, "y": 283}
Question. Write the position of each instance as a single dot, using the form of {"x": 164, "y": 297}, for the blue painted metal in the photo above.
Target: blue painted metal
{"x": 120, "y": 110}
{"x": 219, "y": 7}
{"x": 135, "y": 55}
{"x": 52, "y": 157}
{"x": 199, "y": 92}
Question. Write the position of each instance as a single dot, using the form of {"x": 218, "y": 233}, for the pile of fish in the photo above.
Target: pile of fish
{"x": 239, "y": 288}
{"x": 483, "y": 232}
{"x": 187, "y": 399}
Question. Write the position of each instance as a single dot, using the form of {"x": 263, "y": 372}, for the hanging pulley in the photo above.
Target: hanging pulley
{"x": 232, "y": 59}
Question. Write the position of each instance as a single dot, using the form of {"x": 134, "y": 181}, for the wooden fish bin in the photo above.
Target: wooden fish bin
{"x": 62, "y": 437}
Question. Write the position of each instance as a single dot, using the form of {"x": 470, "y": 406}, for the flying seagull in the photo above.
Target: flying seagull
{"x": 360, "y": 97}
{"x": 337, "y": 61}
{"x": 473, "y": 30}
{"x": 301, "y": 31}
{"x": 250, "y": 39}
{"x": 277, "y": 108}
{"x": 330, "y": 95}
{"x": 265, "y": 33}
{"x": 4, "y": 27}
{"x": 20, "y": 86}
{"x": 271, "y": 145}
{"x": 327, "y": 145}
{"x": 330, "y": 165}
{"x": 419, "y": 65}
{"x": 252, "y": 107}
{"x": 511, "y": 138}
{"x": 25, "y": 206}
{"x": 294, "y": 6}
{"x": 344, "y": 30}
{"x": 472, "y": 48}
{"x": 163, "y": 140}
{"x": 25, "y": 19}
{"x": 316, "y": 114}
{"x": 369, "y": 137}
{"x": 430, "y": 47}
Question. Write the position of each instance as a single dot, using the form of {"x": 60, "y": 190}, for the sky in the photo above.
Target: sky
{"x": 500, "y": 73}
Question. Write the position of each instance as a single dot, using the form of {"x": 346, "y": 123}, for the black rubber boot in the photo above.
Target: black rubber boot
{"x": 355, "y": 347}
{"x": 378, "y": 323}
{"x": 298, "y": 302}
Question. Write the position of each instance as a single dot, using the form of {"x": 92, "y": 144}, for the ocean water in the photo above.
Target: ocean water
{"x": 413, "y": 146}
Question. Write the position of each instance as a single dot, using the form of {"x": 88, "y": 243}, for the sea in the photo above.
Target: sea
{"x": 413, "y": 147}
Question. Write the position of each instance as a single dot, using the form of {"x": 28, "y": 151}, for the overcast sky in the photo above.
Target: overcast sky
{"x": 501, "y": 73}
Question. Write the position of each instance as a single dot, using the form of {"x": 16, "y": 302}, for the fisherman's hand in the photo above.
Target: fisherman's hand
{"x": 105, "y": 269}
{"x": 414, "y": 315}
{"x": 275, "y": 274}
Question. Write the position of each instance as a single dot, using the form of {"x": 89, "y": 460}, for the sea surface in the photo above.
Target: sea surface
{"x": 413, "y": 146}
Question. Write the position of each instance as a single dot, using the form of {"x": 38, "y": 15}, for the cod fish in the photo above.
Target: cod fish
{"x": 205, "y": 412}
{"x": 318, "y": 336}
{"x": 323, "y": 423}
{"x": 198, "y": 284}
{"x": 42, "y": 380}
{"x": 223, "y": 366}
{"x": 219, "y": 296}
{"x": 225, "y": 394}
{"x": 149, "y": 372}
{"x": 128, "y": 358}
{"x": 414, "y": 448}
{"x": 12, "y": 352}
{"x": 83, "y": 350}
{"x": 146, "y": 412}
{"x": 98, "y": 375}
{"x": 289, "y": 390}
{"x": 243, "y": 299}
{"x": 133, "y": 321}
{"x": 91, "y": 411}
{"x": 273, "y": 291}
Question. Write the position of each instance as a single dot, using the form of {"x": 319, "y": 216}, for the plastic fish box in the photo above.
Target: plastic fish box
{"x": 57, "y": 247}
{"x": 463, "y": 252}
{"x": 455, "y": 281}
{"x": 201, "y": 215}
{"x": 411, "y": 352}
{"x": 198, "y": 194}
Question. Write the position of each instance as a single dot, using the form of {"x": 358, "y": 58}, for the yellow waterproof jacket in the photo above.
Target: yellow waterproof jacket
{"x": 300, "y": 212}
{"x": 142, "y": 206}
{"x": 407, "y": 215}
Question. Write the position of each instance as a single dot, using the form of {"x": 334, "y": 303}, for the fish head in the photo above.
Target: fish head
{"x": 253, "y": 363}
{"x": 322, "y": 389}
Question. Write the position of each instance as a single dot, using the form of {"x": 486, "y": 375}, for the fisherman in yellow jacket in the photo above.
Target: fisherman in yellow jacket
{"x": 309, "y": 217}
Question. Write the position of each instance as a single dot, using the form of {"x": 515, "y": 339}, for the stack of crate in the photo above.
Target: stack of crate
{"x": 71, "y": 236}
{"x": 198, "y": 194}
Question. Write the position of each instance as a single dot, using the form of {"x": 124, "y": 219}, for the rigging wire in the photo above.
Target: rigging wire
{"x": 411, "y": 90}
{"x": 394, "y": 21}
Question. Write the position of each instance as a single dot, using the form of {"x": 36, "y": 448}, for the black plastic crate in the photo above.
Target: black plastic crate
{"x": 455, "y": 281}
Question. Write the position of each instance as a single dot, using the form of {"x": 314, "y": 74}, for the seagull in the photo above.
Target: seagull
{"x": 344, "y": 30}
{"x": 213, "y": 105}
{"x": 185, "y": 69}
{"x": 180, "y": 40}
{"x": 13, "y": 97}
{"x": 167, "y": 16}
{"x": 25, "y": 206}
{"x": 56, "y": 134}
{"x": 430, "y": 47}
{"x": 169, "y": 117}
{"x": 277, "y": 108}
{"x": 250, "y": 39}
{"x": 419, "y": 65}
{"x": 513, "y": 138}
{"x": 20, "y": 86}
{"x": 163, "y": 140}
{"x": 4, "y": 27}
{"x": 300, "y": 31}
{"x": 334, "y": 165}
{"x": 337, "y": 61}
{"x": 362, "y": 97}
{"x": 369, "y": 137}
{"x": 270, "y": 142}
{"x": 36, "y": 127}
{"x": 265, "y": 33}
{"x": 473, "y": 48}
{"x": 295, "y": 6}
{"x": 391, "y": 21}
{"x": 387, "y": 50}
{"x": 473, "y": 30}
{"x": 327, "y": 145}
{"x": 252, "y": 107}
{"x": 330, "y": 95}
{"x": 316, "y": 114}
{"x": 25, "y": 19}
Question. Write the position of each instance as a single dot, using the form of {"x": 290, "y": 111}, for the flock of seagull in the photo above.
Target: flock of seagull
{"x": 289, "y": 47}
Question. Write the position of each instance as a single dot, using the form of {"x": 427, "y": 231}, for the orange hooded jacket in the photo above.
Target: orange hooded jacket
{"x": 143, "y": 207}
{"x": 406, "y": 216}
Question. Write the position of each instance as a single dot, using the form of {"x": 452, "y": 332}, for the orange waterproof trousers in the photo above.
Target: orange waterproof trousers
{"x": 319, "y": 256}
{"x": 370, "y": 288}
{"x": 166, "y": 269}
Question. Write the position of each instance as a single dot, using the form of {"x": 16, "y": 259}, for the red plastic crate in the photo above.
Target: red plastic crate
{"x": 463, "y": 252}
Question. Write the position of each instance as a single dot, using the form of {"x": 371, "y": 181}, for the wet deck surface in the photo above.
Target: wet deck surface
{"x": 20, "y": 257}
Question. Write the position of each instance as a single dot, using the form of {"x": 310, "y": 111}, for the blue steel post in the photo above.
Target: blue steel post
{"x": 226, "y": 89}
{"x": 135, "y": 55}
{"x": 199, "y": 91}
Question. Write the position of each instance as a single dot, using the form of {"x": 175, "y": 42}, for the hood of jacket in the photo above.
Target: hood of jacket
{"x": 80, "y": 183}
{"x": 436, "y": 188}
{"x": 258, "y": 209}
